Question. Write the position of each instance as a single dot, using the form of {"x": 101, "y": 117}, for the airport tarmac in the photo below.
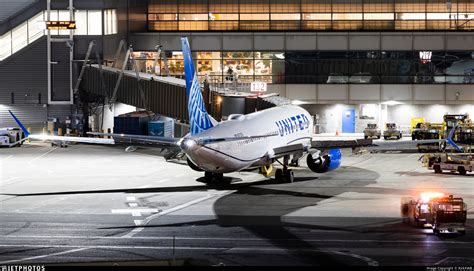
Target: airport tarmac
{"x": 99, "y": 204}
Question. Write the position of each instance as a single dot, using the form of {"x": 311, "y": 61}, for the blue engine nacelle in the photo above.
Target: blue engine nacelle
{"x": 326, "y": 162}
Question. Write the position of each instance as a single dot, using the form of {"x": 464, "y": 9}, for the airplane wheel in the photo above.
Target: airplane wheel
{"x": 289, "y": 176}
{"x": 208, "y": 176}
{"x": 279, "y": 175}
{"x": 218, "y": 177}
{"x": 266, "y": 170}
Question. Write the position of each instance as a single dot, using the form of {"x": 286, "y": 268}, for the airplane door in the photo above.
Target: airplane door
{"x": 348, "y": 121}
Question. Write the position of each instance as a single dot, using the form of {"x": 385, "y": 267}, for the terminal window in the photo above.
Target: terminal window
{"x": 249, "y": 15}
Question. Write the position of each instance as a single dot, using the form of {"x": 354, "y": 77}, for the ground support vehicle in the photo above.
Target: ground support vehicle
{"x": 392, "y": 131}
{"x": 452, "y": 162}
{"x": 11, "y": 137}
{"x": 444, "y": 214}
{"x": 372, "y": 131}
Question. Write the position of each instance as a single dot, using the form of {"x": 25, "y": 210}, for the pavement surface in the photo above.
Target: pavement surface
{"x": 98, "y": 204}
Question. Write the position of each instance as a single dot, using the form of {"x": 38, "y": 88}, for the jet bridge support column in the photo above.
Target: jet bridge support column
{"x": 129, "y": 59}
{"x": 70, "y": 43}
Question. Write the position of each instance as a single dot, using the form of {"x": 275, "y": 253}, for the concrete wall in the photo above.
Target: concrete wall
{"x": 24, "y": 75}
{"x": 377, "y": 93}
{"x": 275, "y": 41}
{"x": 330, "y": 116}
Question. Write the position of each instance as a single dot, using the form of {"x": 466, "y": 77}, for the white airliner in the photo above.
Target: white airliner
{"x": 243, "y": 141}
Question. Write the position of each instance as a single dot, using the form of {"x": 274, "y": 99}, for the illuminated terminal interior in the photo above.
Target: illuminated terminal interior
{"x": 312, "y": 15}
{"x": 323, "y": 67}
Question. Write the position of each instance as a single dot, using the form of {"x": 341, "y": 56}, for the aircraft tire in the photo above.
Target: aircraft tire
{"x": 208, "y": 176}
{"x": 279, "y": 175}
{"x": 289, "y": 176}
{"x": 218, "y": 177}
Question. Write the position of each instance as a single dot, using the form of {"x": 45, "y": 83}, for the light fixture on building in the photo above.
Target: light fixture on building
{"x": 280, "y": 56}
{"x": 392, "y": 102}
{"x": 298, "y": 102}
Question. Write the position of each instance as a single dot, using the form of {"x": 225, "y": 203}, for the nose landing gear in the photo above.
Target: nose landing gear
{"x": 285, "y": 174}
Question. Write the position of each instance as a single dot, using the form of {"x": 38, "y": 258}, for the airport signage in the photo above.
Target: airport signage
{"x": 258, "y": 87}
{"x": 425, "y": 56}
{"x": 60, "y": 25}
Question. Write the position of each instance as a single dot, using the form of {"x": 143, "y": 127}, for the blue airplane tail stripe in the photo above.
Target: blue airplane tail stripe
{"x": 199, "y": 119}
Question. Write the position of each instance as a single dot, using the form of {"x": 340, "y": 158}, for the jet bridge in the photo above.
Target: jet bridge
{"x": 162, "y": 95}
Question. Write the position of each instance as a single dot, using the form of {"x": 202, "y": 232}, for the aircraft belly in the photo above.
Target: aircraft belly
{"x": 218, "y": 162}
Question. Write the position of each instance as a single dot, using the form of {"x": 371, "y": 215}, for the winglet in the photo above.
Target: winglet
{"x": 27, "y": 134}
{"x": 450, "y": 140}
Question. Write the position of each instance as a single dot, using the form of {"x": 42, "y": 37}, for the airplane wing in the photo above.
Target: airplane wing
{"x": 287, "y": 150}
{"x": 351, "y": 143}
{"x": 140, "y": 138}
{"x": 90, "y": 140}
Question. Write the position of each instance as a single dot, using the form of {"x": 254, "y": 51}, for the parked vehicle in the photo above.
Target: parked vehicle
{"x": 392, "y": 131}
{"x": 444, "y": 214}
{"x": 372, "y": 131}
{"x": 11, "y": 137}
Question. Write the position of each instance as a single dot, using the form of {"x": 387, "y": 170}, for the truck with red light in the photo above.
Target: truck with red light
{"x": 444, "y": 214}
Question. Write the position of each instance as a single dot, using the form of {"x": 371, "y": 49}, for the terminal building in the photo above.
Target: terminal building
{"x": 348, "y": 62}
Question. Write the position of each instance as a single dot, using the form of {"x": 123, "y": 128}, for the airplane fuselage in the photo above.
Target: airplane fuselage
{"x": 282, "y": 126}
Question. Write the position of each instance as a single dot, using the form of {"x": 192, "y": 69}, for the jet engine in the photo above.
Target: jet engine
{"x": 192, "y": 165}
{"x": 325, "y": 162}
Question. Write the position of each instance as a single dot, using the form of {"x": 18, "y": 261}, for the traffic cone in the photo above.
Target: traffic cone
{"x": 337, "y": 131}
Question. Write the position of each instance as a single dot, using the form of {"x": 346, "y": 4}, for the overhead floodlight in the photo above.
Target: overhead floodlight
{"x": 298, "y": 102}
{"x": 392, "y": 102}
{"x": 280, "y": 55}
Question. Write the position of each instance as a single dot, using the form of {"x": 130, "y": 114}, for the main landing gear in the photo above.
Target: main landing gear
{"x": 211, "y": 178}
{"x": 284, "y": 175}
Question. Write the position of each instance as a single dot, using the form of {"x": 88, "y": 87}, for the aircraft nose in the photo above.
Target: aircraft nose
{"x": 187, "y": 144}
